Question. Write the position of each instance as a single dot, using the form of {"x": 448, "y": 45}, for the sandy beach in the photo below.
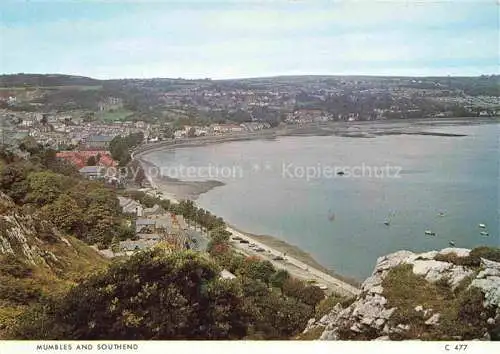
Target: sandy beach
{"x": 173, "y": 188}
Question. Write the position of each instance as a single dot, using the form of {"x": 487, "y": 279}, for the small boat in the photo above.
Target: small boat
{"x": 484, "y": 233}
{"x": 441, "y": 213}
{"x": 430, "y": 233}
{"x": 340, "y": 173}
{"x": 451, "y": 243}
{"x": 482, "y": 226}
{"x": 387, "y": 222}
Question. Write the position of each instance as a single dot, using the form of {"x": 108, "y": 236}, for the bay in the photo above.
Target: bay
{"x": 445, "y": 184}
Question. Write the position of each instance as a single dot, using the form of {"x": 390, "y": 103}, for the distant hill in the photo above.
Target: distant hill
{"x": 45, "y": 80}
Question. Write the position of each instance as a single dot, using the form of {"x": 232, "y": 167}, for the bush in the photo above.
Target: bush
{"x": 473, "y": 259}
{"x": 152, "y": 295}
{"x": 455, "y": 259}
{"x": 462, "y": 312}
{"x": 491, "y": 253}
{"x": 14, "y": 292}
{"x": 326, "y": 305}
{"x": 12, "y": 266}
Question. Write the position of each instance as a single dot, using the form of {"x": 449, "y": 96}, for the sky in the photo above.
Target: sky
{"x": 249, "y": 38}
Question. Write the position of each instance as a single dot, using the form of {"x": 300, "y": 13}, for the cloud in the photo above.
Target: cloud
{"x": 254, "y": 39}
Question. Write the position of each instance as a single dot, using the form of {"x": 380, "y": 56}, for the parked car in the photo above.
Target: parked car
{"x": 278, "y": 258}
{"x": 244, "y": 241}
{"x": 259, "y": 249}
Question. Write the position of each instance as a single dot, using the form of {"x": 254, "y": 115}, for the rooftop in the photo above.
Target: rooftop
{"x": 92, "y": 169}
{"x": 142, "y": 221}
{"x": 100, "y": 138}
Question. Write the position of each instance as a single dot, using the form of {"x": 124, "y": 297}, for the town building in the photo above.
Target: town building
{"x": 98, "y": 141}
{"x": 93, "y": 172}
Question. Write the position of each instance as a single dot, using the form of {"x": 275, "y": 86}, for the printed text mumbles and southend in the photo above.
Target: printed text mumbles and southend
{"x": 87, "y": 347}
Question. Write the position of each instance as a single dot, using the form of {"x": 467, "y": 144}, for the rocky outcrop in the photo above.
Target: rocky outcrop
{"x": 421, "y": 296}
{"x": 21, "y": 235}
{"x": 35, "y": 241}
{"x": 488, "y": 280}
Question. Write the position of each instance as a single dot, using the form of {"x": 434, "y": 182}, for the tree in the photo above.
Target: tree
{"x": 91, "y": 161}
{"x": 293, "y": 287}
{"x": 30, "y": 145}
{"x": 312, "y": 295}
{"x": 65, "y": 214}
{"x": 273, "y": 316}
{"x": 88, "y": 117}
{"x": 308, "y": 294}
{"x": 259, "y": 270}
{"x": 115, "y": 245}
{"x": 278, "y": 279}
{"x": 45, "y": 187}
{"x": 140, "y": 176}
{"x": 191, "y": 132}
{"x": 220, "y": 235}
{"x": 13, "y": 181}
{"x": 155, "y": 295}
{"x": 167, "y": 132}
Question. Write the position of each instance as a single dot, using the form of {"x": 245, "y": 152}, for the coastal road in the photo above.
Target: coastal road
{"x": 295, "y": 267}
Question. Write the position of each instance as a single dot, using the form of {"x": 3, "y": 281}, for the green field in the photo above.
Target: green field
{"x": 112, "y": 116}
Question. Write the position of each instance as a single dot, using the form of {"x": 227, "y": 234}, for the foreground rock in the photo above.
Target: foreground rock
{"x": 452, "y": 294}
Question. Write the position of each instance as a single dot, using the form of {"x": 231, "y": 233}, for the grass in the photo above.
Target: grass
{"x": 326, "y": 305}
{"x": 313, "y": 334}
{"x": 8, "y": 317}
{"x": 459, "y": 310}
{"x": 473, "y": 259}
{"x": 112, "y": 116}
{"x": 23, "y": 285}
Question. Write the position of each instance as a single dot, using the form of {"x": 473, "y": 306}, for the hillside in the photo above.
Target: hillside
{"x": 453, "y": 294}
{"x": 36, "y": 261}
{"x": 46, "y": 80}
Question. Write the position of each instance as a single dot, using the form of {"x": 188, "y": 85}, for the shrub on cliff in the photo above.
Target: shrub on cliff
{"x": 153, "y": 295}
{"x": 461, "y": 312}
{"x": 474, "y": 257}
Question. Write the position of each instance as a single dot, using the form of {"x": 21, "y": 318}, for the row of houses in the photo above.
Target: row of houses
{"x": 80, "y": 158}
{"x": 153, "y": 225}
{"x": 218, "y": 129}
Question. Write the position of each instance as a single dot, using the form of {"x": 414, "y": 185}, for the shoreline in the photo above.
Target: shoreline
{"x": 297, "y": 253}
{"x": 363, "y": 129}
{"x": 176, "y": 188}
{"x": 298, "y": 258}
{"x": 298, "y": 263}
